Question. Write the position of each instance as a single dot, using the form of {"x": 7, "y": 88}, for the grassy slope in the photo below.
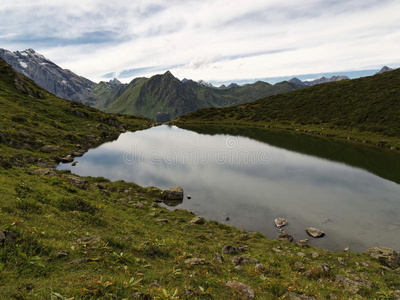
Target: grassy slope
{"x": 365, "y": 109}
{"x": 48, "y": 213}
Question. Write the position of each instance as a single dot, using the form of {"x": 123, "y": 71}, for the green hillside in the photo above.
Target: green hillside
{"x": 364, "y": 109}
{"x": 164, "y": 97}
{"x": 68, "y": 237}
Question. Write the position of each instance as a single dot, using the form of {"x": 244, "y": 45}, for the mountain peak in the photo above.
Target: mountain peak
{"x": 385, "y": 69}
{"x": 115, "y": 82}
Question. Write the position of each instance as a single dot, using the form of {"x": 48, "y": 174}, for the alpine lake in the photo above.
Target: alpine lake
{"x": 248, "y": 177}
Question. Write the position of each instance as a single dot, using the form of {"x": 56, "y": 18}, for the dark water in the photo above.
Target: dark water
{"x": 253, "y": 176}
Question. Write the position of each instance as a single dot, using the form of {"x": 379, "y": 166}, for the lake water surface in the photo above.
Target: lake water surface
{"x": 253, "y": 176}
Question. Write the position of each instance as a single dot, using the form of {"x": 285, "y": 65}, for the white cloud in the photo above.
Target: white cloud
{"x": 215, "y": 40}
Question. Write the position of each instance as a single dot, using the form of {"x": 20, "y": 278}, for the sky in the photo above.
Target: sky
{"x": 217, "y": 41}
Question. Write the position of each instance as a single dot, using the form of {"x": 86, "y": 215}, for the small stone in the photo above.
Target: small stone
{"x": 67, "y": 159}
{"x": 218, "y": 258}
{"x": 227, "y": 219}
{"x": 285, "y": 237}
{"x": 63, "y": 253}
{"x": 314, "y": 232}
{"x": 238, "y": 268}
{"x": 301, "y": 254}
{"x": 197, "y": 220}
{"x": 155, "y": 284}
{"x": 163, "y": 221}
{"x": 280, "y": 222}
{"x": 189, "y": 197}
{"x": 303, "y": 241}
{"x": 294, "y": 296}
{"x": 228, "y": 249}
{"x": 324, "y": 267}
{"x": 237, "y": 260}
{"x": 342, "y": 261}
{"x": 259, "y": 268}
{"x": 299, "y": 266}
{"x": 196, "y": 261}
{"x": 74, "y": 163}
{"x": 246, "y": 291}
{"x": 314, "y": 255}
{"x": 347, "y": 249}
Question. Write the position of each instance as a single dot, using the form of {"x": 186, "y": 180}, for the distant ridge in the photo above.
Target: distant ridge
{"x": 385, "y": 69}
{"x": 318, "y": 81}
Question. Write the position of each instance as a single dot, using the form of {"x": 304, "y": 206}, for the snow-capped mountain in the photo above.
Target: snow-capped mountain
{"x": 61, "y": 82}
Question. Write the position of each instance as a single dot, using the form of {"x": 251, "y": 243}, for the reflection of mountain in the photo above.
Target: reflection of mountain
{"x": 379, "y": 162}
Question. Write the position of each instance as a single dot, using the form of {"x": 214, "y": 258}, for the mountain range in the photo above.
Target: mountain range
{"x": 161, "y": 98}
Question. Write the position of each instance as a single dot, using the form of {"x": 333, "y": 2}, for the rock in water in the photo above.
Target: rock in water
{"x": 285, "y": 237}
{"x": 175, "y": 193}
{"x": 280, "y": 222}
{"x": 314, "y": 232}
{"x": 385, "y": 256}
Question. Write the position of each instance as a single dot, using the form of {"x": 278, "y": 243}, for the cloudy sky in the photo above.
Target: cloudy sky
{"x": 215, "y": 40}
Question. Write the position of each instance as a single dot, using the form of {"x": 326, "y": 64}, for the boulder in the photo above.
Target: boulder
{"x": 314, "y": 232}
{"x": 385, "y": 256}
{"x": 79, "y": 182}
{"x": 280, "y": 222}
{"x": 246, "y": 291}
{"x": 175, "y": 193}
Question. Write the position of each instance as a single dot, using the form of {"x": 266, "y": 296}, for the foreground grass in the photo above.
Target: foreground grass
{"x": 67, "y": 237}
{"x": 141, "y": 248}
{"x": 364, "y": 110}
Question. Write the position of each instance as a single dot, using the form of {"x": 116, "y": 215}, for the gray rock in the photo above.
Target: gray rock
{"x": 285, "y": 237}
{"x": 280, "y": 222}
{"x": 175, "y": 193}
{"x": 228, "y": 249}
{"x": 246, "y": 291}
{"x": 67, "y": 159}
{"x": 79, "y": 182}
{"x": 299, "y": 266}
{"x": 314, "y": 232}
{"x": 162, "y": 220}
{"x": 386, "y": 256}
{"x": 74, "y": 163}
{"x": 49, "y": 148}
{"x": 237, "y": 260}
{"x": 218, "y": 258}
{"x": 2, "y": 236}
{"x": 45, "y": 171}
{"x": 324, "y": 267}
{"x": 197, "y": 220}
{"x": 351, "y": 285}
{"x": 196, "y": 261}
{"x": 63, "y": 253}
